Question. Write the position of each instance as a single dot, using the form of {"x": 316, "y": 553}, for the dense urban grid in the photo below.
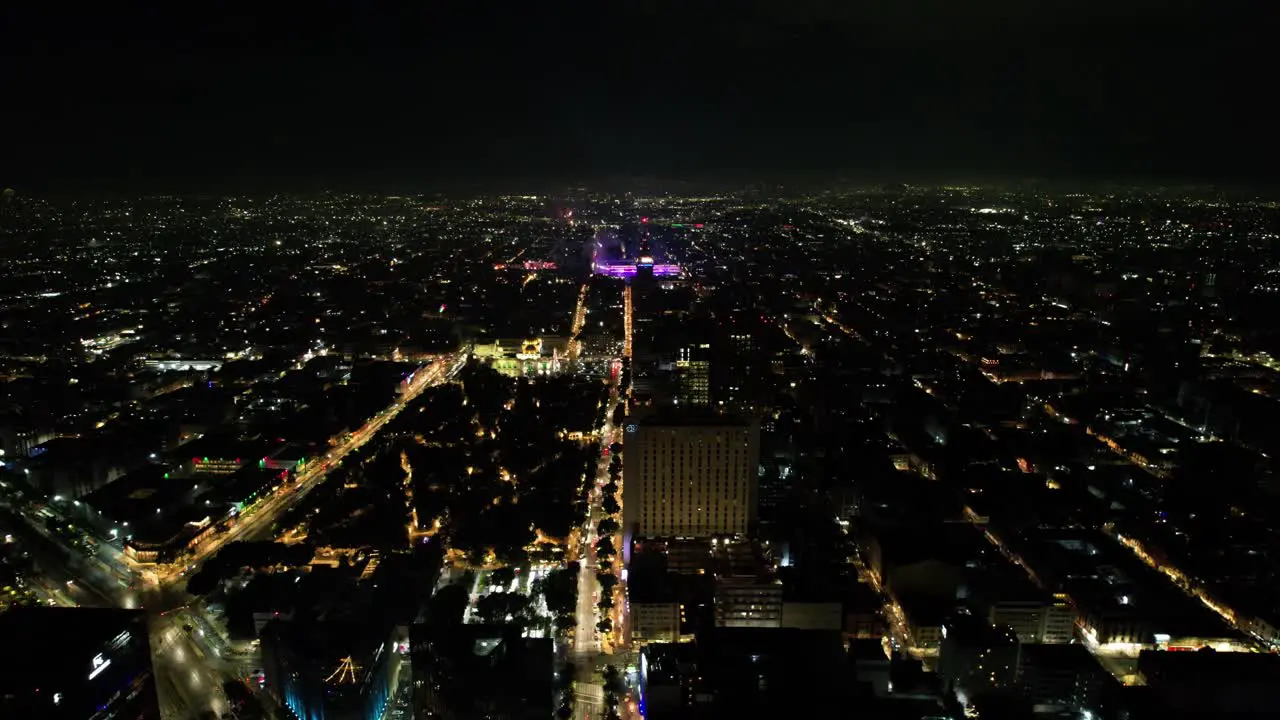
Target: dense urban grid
{"x": 898, "y": 452}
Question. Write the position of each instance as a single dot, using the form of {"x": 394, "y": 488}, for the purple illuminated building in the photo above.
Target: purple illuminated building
{"x": 629, "y": 269}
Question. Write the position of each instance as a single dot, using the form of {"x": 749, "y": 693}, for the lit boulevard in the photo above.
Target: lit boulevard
{"x": 261, "y": 518}
{"x": 593, "y": 649}
{"x": 579, "y": 320}
{"x": 589, "y": 700}
{"x": 626, "y": 328}
{"x": 197, "y": 661}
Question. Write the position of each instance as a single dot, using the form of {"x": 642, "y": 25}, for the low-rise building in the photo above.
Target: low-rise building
{"x": 748, "y": 602}
{"x": 654, "y": 621}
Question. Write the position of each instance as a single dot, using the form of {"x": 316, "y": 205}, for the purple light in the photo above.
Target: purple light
{"x": 627, "y": 270}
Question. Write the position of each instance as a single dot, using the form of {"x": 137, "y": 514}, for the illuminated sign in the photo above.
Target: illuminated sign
{"x": 99, "y": 664}
{"x": 631, "y": 428}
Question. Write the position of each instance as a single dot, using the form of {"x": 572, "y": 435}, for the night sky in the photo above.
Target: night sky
{"x": 549, "y": 93}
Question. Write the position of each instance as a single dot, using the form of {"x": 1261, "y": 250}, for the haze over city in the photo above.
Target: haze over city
{"x": 526, "y": 98}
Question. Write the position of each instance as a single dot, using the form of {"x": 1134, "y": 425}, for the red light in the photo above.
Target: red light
{"x": 644, "y": 219}
{"x": 698, "y": 225}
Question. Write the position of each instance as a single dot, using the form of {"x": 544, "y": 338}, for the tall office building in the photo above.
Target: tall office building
{"x": 740, "y": 375}
{"x": 690, "y": 475}
{"x": 76, "y": 663}
{"x": 693, "y": 375}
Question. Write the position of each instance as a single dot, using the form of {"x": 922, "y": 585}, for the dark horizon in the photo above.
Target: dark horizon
{"x": 139, "y": 101}
{"x": 641, "y": 187}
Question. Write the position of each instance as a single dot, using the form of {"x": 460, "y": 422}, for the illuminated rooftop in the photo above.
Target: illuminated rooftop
{"x": 630, "y": 269}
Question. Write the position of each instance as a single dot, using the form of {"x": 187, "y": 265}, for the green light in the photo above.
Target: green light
{"x": 206, "y": 460}
{"x": 679, "y": 225}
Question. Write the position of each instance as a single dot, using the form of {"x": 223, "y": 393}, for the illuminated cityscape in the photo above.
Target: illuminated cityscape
{"x": 827, "y": 443}
{"x": 865, "y": 360}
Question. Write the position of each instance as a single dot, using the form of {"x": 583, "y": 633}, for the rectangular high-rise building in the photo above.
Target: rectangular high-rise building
{"x": 690, "y": 475}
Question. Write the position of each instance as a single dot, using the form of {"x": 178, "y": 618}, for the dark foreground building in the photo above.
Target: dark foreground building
{"x": 76, "y": 664}
{"x": 481, "y": 672}
{"x": 746, "y": 673}
{"x": 325, "y": 670}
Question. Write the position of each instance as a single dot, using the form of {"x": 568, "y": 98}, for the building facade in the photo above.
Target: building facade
{"x": 655, "y": 621}
{"x": 690, "y": 477}
{"x": 528, "y": 356}
{"x": 748, "y": 602}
